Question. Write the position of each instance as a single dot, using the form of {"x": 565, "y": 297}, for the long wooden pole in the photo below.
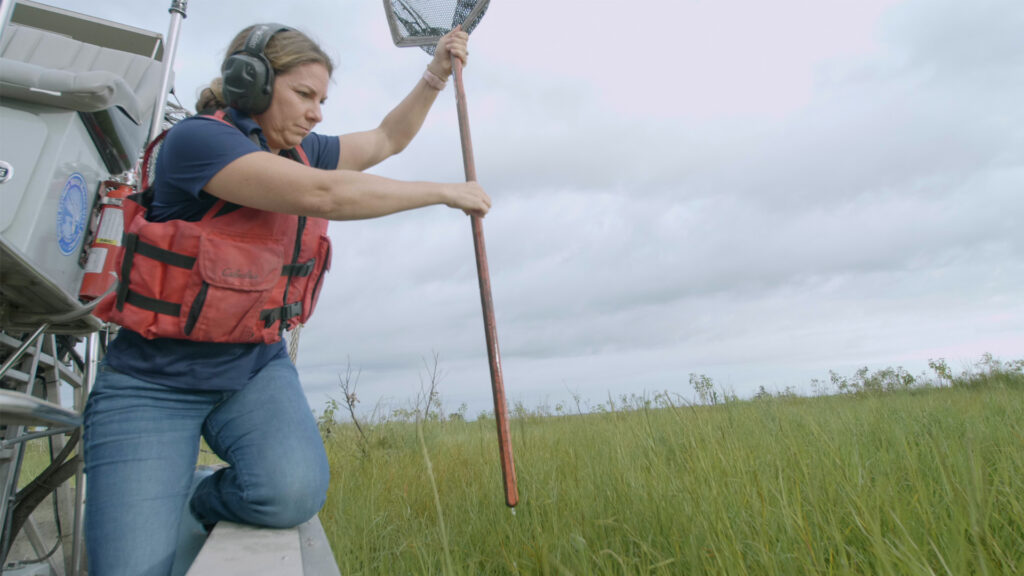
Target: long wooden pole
{"x": 508, "y": 469}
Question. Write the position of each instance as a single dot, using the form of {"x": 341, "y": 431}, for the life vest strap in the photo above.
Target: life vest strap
{"x": 165, "y": 256}
{"x": 197, "y": 307}
{"x": 152, "y": 304}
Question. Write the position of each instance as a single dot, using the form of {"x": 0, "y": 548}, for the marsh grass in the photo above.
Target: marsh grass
{"x": 918, "y": 481}
{"x": 879, "y": 478}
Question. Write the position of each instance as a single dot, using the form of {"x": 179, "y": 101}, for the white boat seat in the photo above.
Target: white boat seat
{"x": 115, "y": 91}
{"x": 54, "y": 70}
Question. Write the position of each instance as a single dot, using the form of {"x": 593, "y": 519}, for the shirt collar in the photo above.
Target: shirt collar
{"x": 248, "y": 126}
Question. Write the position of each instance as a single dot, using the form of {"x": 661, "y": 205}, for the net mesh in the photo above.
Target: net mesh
{"x": 147, "y": 167}
{"x": 423, "y": 22}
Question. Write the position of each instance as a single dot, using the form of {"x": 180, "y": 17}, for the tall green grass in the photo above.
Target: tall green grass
{"x": 917, "y": 481}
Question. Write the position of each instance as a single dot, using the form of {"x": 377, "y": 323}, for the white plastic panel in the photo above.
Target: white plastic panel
{"x": 46, "y": 220}
{"x": 21, "y": 152}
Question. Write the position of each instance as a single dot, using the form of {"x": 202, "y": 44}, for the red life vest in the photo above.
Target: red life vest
{"x": 237, "y": 275}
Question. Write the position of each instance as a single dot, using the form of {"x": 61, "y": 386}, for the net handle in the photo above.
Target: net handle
{"x": 508, "y": 470}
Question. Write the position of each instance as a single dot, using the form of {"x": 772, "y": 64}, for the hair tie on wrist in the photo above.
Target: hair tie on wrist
{"x": 433, "y": 80}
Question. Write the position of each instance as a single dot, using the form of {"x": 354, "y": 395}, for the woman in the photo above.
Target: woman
{"x": 230, "y": 250}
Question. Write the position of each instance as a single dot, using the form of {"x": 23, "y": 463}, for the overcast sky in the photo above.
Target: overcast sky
{"x": 759, "y": 192}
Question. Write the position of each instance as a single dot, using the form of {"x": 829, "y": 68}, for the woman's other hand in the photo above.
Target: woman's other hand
{"x": 454, "y": 43}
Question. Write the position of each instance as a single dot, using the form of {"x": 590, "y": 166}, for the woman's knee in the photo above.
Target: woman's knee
{"x": 289, "y": 496}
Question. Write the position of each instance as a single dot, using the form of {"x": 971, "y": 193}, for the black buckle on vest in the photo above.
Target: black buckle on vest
{"x": 299, "y": 270}
{"x": 271, "y": 315}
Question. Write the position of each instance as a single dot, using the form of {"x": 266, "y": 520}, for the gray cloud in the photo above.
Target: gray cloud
{"x": 759, "y": 192}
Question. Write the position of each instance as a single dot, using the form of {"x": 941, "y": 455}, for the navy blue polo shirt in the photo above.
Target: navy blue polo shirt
{"x": 193, "y": 152}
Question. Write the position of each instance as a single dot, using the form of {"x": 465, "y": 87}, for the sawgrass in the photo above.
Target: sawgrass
{"x": 921, "y": 481}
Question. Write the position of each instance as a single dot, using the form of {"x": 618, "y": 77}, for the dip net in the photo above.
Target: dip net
{"x": 423, "y": 22}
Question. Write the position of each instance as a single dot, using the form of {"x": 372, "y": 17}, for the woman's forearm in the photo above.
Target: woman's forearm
{"x": 355, "y": 195}
{"x": 273, "y": 183}
{"x": 402, "y": 124}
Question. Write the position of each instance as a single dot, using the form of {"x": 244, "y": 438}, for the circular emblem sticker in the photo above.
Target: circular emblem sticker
{"x": 6, "y": 171}
{"x": 71, "y": 214}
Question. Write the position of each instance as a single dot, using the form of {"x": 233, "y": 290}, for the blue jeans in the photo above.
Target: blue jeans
{"x": 141, "y": 445}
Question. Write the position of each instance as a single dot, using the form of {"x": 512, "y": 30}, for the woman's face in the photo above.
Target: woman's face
{"x": 295, "y": 107}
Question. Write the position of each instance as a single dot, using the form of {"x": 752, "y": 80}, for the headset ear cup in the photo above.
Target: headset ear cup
{"x": 247, "y": 74}
{"x": 248, "y": 83}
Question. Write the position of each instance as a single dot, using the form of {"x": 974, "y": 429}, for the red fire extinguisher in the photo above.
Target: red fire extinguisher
{"x": 105, "y": 250}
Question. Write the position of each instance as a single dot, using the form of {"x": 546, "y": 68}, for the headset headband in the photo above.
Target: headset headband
{"x": 258, "y": 38}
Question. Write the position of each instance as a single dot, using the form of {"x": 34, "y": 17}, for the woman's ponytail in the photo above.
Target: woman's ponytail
{"x": 211, "y": 98}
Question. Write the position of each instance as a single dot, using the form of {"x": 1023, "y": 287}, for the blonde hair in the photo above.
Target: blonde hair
{"x": 285, "y": 50}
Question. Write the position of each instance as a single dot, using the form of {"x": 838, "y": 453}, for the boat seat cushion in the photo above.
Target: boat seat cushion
{"x": 54, "y": 70}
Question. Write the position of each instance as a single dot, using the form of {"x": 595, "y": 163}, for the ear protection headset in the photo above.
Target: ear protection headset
{"x": 247, "y": 74}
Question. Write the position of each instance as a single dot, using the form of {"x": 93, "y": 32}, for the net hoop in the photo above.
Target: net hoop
{"x": 410, "y": 28}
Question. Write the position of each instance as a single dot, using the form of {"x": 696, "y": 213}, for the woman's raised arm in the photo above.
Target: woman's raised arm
{"x": 361, "y": 150}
